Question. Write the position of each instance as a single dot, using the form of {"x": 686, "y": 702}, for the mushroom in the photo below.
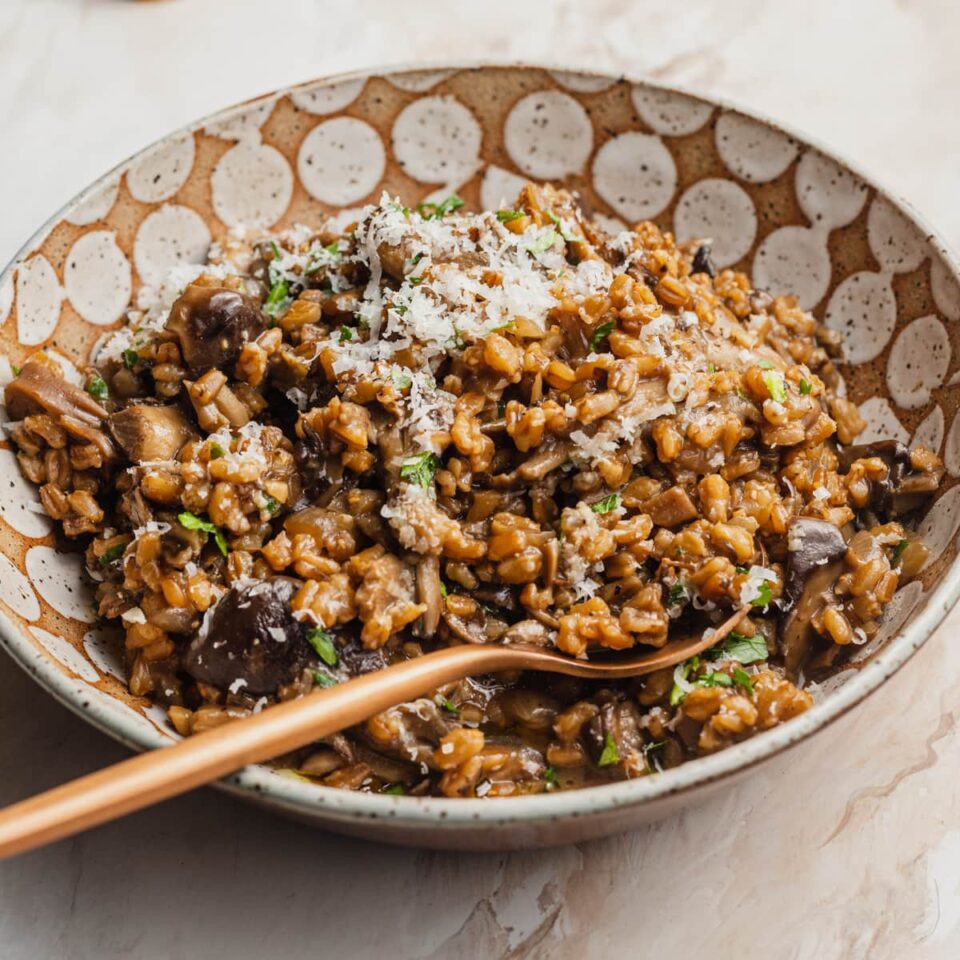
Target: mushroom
{"x": 429, "y": 592}
{"x": 817, "y": 549}
{"x": 251, "y": 640}
{"x": 620, "y": 722}
{"x": 150, "y": 432}
{"x": 40, "y": 388}
{"x": 903, "y": 489}
{"x": 211, "y": 325}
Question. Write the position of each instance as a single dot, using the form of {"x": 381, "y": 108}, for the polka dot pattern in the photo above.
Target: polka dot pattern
{"x": 333, "y": 146}
{"x": 548, "y": 135}
{"x": 437, "y": 140}
{"x": 97, "y": 278}
{"x": 341, "y": 161}
{"x": 635, "y": 173}
{"x": 720, "y": 211}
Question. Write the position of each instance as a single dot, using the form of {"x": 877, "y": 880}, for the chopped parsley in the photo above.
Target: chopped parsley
{"x": 130, "y": 358}
{"x": 543, "y": 242}
{"x": 505, "y": 216}
{"x": 420, "y": 468}
{"x": 322, "y": 642}
{"x": 449, "y": 705}
{"x": 565, "y": 234}
{"x": 15, "y": 369}
{"x": 444, "y": 592}
{"x": 271, "y": 504}
{"x": 610, "y": 754}
{"x": 805, "y": 387}
{"x": 346, "y": 333}
{"x": 764, "y": 595}
{"x": 414, "y": 281}
{"x": 550, "y": 778}
{"x": 501, "y": 407}
{"x": 715, "y": 679}
{"x": 216, "y": 451}
{"x": 192, "y": 522}
{"x": 401, "y": 379}
{"x": 601, "y": 334}
{"x": 677, "y": 593}
{"x": 606, "y": 504}
{"x": 899, "y": 549}
{"x": 112, "y": 553}
{"x": 711, "y": 367}
{"x": 774, "y": 383}
{"x": 744, "y": 649}
{"x": 765, "y": 365}
{"x": 677, "y": 693}
{"x": 278, "y": 300}
{"x": 323, "y": 679}
{"x": 742, "y": 679}
{"x": 436, "y": 211}
{"x": 97, "y": 387}
{"x": 395, "y": 789}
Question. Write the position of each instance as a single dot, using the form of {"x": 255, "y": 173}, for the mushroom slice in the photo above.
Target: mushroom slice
{"x": 149, "y": 432}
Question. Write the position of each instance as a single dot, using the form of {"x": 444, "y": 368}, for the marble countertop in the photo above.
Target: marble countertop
{"x": 848, "y": 847}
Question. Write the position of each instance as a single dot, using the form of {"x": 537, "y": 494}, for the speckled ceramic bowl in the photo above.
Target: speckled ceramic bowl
{"x": 800, "y": 220}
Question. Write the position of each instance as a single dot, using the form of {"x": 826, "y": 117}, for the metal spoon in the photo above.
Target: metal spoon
{"x": 158, "y": 774}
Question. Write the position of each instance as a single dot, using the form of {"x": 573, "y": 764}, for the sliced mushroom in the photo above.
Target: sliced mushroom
{"x": 252, "y": 640}
{"x": 815, "y": 564}
{"x": 903, "y": 489}
{"x": 211, "y": 325}
{"x": 618, "y": 722}
{"x": 150, "y": 432}
{"x": 428, "y": 592}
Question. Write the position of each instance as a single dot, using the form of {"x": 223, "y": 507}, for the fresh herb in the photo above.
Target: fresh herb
{"x": 420, "y": 468}
{"x": 764, "y": 595}
{"x": 112, "y": 553}
{"x": 600, "y": 334}
{"x": 649, "y": 748}
{"x": 414, "y": 281}
{"x": 711, "y": 367}
{"x": 444, "y": 592}
{"x": 399, "y": 208}
{"x": 505, "y": 216}
{"x": 501, "y": 407}
{"x": 899, "y": 549}
{"x": 606, "y": 504}
{"x": 399, "y": 308}
{"x": 323, "y": 679}
{"x": 278, "y": 300}
{"x": 216, "y": 451}
{"x": 543, "y": 242}
{"x": 742, "y": 648}
{"x": 436, "y": 211}
{"x": 97, "y": 387}
{"x": 679, "y": 552}
{"x": 610, "y": 754}
{"x": 677, "y": 693}
{"x": 677, "y": 593}
{"x": 415, "y": 259}
{"x": 395, "y": 789}
{"x": 741, "y": 569}
{"x": 271, "y": 504}
{"x": 322, "y": 642}
{"x": 449, "y": 705}
{"x": 346, "y": 333}
{"x": 765, "y": 365}
{"x": 805, "y": 387}
{"x": 15, "y": 369}
{"x": 550, "y": 778}
{"x": 715, "y": 679}
{"x": 401, "y": 379}
{"x": 742, "y": 679}
{"x": 561, "y": 229}
{"x": 774, "y": 382}
{"x": 192, "y": 522}
{"x": 130, "y": 358}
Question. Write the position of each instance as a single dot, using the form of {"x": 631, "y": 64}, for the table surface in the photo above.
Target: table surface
{"x": 849, "y": 847}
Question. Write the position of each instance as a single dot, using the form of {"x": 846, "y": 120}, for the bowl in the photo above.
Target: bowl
{"x": 801, "y": 220}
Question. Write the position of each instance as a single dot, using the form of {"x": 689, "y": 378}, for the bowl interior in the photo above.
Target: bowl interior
{"x": 793, "y": 216}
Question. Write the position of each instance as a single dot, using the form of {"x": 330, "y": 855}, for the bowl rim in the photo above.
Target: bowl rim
{"x": 269, "y": 788}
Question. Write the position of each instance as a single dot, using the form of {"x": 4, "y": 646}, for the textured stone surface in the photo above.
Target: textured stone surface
{"x": 846, "y": 847}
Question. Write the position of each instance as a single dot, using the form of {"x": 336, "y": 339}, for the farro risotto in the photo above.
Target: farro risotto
{"x": 338, "y": 447}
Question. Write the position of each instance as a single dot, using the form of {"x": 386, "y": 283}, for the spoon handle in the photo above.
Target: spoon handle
{"x": 158, "y": 774}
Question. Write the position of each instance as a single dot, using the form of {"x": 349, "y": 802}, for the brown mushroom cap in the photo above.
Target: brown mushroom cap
{"x": 149, "y": 431}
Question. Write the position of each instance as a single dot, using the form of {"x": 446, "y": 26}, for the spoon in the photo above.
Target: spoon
{"x": 158, "y": 774}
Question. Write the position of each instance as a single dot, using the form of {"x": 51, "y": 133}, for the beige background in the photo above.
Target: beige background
{"x": 849, "y": 847}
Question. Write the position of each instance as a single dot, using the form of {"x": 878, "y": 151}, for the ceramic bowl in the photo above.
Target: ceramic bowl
{"x": 796, "y": 217}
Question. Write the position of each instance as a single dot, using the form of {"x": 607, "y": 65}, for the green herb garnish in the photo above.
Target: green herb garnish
{"x": 444, "y": 592}
{"x": 899, "y": 549}
{"x": 449, "y": 705}
{"x": 130, "y": 358}
{"x": 774, "y": 382}
{"x": 677, "y": 693}
{"x": 677, "y": 593}
{"x": 601, "y": 334}
{"x": 322, "y": 642}
{"x": 323, "y": 679}
{"x": 805, "y": 387}
{"x": 715, "y": 679}
{"x": 711, "y": 367}
{"x": 113, "y": 553}
{"x": 414, "y": 281}
{"x": 401, "y": 379}
{"x": 192, "y": 522}
{"x": 543, "y": 242}
{"x": 610, "y": 754}
{"x": 764, "y": 595}
{"x": 420, "y": 468}
{"x": 278, "y": 300}
{"x": 550, "y": 778}
{"x": 395, "y": 789}
{"x": 565, "y": 234}
{"x": 765, "y": 365}
{"x": 606, "y": 504}
{"x": 742, "y": 648}
{"x": 346, "y": 333}
{"x": 649, "y": 748}
{"x": 216, "y": 451}
{"x": 436, "y": 211}
{"x": 97, "y": 387}
{"x": 505, "y": 216}
{"x": 271, "y": 504}
{"x": 742, "y": 679}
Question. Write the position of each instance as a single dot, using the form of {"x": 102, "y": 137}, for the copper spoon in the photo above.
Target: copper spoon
{"x": 158, "y": 774}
